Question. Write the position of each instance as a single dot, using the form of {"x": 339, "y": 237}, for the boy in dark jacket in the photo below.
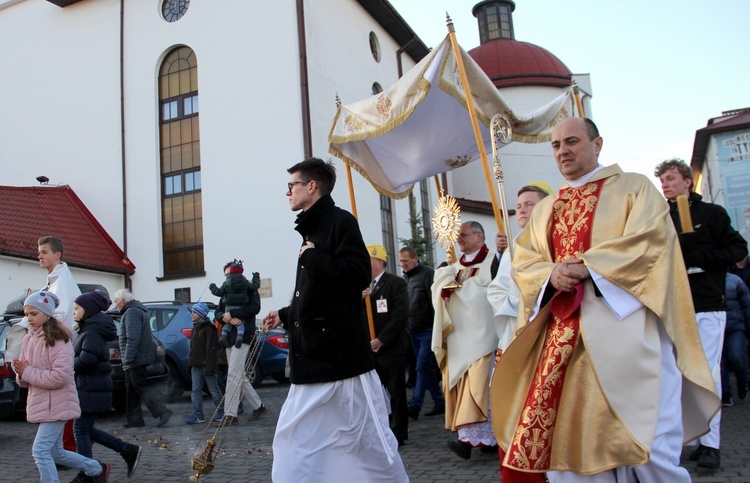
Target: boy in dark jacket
{"x": 235, "y": 292}
{"x": 202, "y": 363}
{"x": 94, "y": 381}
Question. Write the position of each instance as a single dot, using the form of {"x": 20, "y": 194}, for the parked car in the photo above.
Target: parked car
{"x": 11, "y": 396}
{"x": 172, "y": 325}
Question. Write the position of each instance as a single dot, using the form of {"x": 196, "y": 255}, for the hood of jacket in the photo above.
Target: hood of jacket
{"x": 100, "y": 323}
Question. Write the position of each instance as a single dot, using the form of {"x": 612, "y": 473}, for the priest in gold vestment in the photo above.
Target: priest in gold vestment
{"x": 464, "y": 341}
{"x": 606, "y": 378}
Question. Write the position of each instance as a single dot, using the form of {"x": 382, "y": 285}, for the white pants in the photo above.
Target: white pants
{"x": 711, "y": 327}
{"x": 238, "y": 385}
{"x": 663, "y": 465}
{"x": 336, "y": 432}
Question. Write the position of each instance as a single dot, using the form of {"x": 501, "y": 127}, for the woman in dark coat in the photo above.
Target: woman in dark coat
{"x": 94, "y": 380}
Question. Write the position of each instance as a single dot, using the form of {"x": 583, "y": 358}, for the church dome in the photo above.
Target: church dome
{"x": 508, "y": 62}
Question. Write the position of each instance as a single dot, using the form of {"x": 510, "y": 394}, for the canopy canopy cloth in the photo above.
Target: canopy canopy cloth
{"x": 413, "y": 131}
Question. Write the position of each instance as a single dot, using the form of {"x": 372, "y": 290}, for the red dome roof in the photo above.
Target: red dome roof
{"x": 508, "y": 62}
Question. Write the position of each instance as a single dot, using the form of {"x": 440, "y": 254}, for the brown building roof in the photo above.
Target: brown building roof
{"x": 28, "y": 213}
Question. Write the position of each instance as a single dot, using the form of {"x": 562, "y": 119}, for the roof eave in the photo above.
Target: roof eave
{"x": 387, "y": 16}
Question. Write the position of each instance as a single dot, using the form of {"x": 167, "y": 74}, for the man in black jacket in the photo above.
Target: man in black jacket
{"x": 419, "y": 326}
{"x": 238, "y": 385}
{"x": 389, "y": 306}
{"x": 709, "y": 247}
{"x": 335, "y": 410}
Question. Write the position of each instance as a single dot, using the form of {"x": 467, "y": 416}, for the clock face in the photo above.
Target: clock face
{"x": 173, "y": 10}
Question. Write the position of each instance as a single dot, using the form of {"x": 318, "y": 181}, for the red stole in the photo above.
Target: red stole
{"x": 572, "y": 220}
{"x": 466, "y": 273}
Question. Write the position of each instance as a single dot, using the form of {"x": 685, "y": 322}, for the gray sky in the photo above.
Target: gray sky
{"x": 659, "y": 68}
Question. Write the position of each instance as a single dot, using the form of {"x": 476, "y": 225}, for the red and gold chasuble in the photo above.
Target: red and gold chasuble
{"x": 572, "y": 217}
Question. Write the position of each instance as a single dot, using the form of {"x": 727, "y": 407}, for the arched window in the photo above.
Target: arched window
{"x": 182, "y": 212}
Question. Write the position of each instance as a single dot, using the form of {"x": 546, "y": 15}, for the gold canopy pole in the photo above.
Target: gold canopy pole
{"x": 579, "y": 104}
{"x": 353, "y": 201}
{"x": 474, "y": 121}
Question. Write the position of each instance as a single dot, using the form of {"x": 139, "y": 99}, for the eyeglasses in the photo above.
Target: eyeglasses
{"x": 291, "y": 185}
{"x": 466, "y": 235}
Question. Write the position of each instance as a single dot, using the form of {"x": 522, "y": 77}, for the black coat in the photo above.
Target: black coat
{"x": 246, "y": 313}
{"x": 204, "y": 347}
{"x": 419, "y": 283}
{"x": 390, "y": 325}
{"x": 713, "y": 246}
{"x": 92, "y": 367}
{"x": 328, "y": 337}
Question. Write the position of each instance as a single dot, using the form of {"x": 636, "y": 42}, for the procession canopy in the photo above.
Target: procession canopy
{"x": 412, "y": 131}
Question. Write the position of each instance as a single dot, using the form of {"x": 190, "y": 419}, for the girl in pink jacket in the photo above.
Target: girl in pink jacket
{"x": 45, "y": 366}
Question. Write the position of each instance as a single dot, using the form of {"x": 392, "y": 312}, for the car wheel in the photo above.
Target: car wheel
{"x": 256, "y": 376}
{"x": 172, "y": 387}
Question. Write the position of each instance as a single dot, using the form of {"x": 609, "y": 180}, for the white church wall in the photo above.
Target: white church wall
{"x": 59, "y": 92}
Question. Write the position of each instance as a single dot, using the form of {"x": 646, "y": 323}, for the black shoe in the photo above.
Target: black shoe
{"x": 413, "y": 412}
{"x": 742, "y": 391}
{"x": 709, "y": 458}
{"x": 727, "y": 401}
{"x": 131, "y": 454}
{"x": 401, "y": 442}
{"x": 224, "y": 341}
{"x": 81, "y": 478}
{"x": 489, "y": 449}
{"x": 164, "y": 418}
{"x": 102, "y": 477}
{"x": 435, "y": 411}
{"x": 696, "y": 453}
{"x": 462, "y": 450}
{"x": 257, "y": 413}
{"x": 134, "y": 425}
{"x": 410, "y": 384}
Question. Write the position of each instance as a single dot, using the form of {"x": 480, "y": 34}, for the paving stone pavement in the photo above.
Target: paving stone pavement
{"x": 247, "y": 457}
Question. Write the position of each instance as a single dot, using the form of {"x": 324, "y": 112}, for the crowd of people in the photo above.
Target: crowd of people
{"x": 562, "y": 359}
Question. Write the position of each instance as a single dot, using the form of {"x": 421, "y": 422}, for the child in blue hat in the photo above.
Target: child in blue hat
{"x": 202, "y": 363}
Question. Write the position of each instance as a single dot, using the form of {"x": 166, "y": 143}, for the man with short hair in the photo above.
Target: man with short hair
{"x": 238, "y": 386}
{"x": 332, "y": 369}
{"x": 59, "y": 279}
{"x": 389, "y": 308}
{"x": 606, "y": 374}
{"x": 708, "y": 247}
{"x": 419, "y": 279}
{"x": 503, "y": 293}
{"x": 464, "y": 340}
{"x": 61, "y": 283}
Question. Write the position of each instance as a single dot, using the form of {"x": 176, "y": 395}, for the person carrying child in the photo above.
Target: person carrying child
{"x": 235, "y": 292}
{"x": 202, "y": 362}
{"x": 94, "y": 379}
{"x": 45, "y": 367}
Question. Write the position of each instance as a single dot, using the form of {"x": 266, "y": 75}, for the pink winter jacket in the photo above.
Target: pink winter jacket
{"x": 49, "y": 377}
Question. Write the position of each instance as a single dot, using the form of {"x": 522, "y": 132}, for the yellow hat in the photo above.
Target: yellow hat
{"x": 542, "y": 185}
{"x": 378, "y": 251}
